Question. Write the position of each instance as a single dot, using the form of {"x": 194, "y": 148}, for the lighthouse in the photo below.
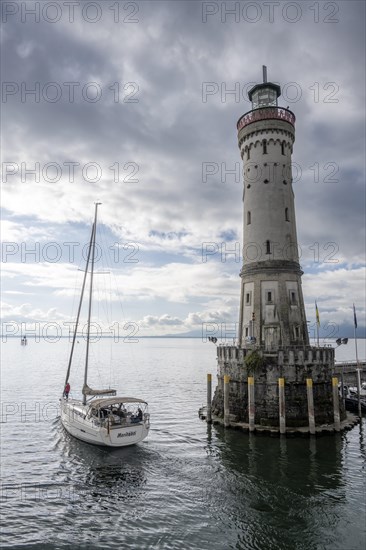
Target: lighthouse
{"x": 272, "y": 378}
{"x": 272, "y": 309}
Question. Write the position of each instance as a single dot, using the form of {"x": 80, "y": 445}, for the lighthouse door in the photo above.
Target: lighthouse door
{"x": 271, "y": 337}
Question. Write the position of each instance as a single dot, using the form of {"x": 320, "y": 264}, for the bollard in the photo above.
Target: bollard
{"x": 251, "y": 405}
{"x": 281, "y": 403}
{"x": 226, "y": 401}
{"x": 209, "y": 398}
{"x": 337, "y": 420}
{"x": 309, "y": 389}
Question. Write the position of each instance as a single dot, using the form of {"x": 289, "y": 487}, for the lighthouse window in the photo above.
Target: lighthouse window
{"x": 248, "y": 153}
{"x": 248, "y": 297}
{"x": 293, "y": 297}
{"x": 249, "y": 218}
{"x": 283, "y": 147}
{"x": 284, "y": 182}
{"x": 246, "y": 331}
{"x": 269, "y": 296}
{"x": 286, "y": 215}
{"x": 297, "y": 332}
{"x": 264, "y": 143}
{"x": 268, "y": 247}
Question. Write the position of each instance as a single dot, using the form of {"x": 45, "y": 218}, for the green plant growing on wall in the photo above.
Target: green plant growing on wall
{"x": 254, "y": 362}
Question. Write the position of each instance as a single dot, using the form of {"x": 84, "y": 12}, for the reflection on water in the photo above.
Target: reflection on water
{"x": 362, "y": 441}
{"x": 107, "y": 476}
{"x": 275, "y": 488}
{"x": 311, "y": 464}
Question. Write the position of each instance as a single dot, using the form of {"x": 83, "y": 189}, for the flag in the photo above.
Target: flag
{"x": 317, "y": 314}
{"x": 354, "y": 316}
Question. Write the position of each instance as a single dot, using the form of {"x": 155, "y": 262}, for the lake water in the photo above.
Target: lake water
{"x": 188, "y": 485}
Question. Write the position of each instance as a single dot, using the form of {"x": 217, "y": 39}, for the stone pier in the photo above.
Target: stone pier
{"x": 295, "y": 365}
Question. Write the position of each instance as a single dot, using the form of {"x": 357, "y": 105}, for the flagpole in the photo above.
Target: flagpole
{"x": 317, "y": 322}
{"x": 358, "y": 373}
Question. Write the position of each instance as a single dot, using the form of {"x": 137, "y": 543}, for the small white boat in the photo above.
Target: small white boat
{"x": 101, "y": 417}
{"x": 353, "y": 392}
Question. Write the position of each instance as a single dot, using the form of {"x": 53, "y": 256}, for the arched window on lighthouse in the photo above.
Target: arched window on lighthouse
{"x": 283, "y": 148}
{"x": 268, "y": 247}
{"x": 249, "y": 218}
{"x": 286, "y": 215}
{"x": 248, "y": 153}
{"x": 264, "y": 144}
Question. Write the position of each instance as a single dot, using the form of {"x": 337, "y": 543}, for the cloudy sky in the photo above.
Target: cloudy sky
{"x": 135, "y": 104}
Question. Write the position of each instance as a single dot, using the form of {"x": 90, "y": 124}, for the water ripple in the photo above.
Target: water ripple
{"x": 188, "y": 486}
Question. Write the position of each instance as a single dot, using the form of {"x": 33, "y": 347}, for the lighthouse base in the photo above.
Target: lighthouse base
{"x": 271, "y": 407}
{"x": 348, "y": 423}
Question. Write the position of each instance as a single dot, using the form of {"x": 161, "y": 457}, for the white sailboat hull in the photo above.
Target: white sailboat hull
{"x": 77, "y": 422}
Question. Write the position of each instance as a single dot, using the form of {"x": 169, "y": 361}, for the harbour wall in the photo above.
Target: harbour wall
{"x": 293, "y": 364}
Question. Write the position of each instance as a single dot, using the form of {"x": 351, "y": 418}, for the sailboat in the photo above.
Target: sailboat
{"x": 100, "y": 417}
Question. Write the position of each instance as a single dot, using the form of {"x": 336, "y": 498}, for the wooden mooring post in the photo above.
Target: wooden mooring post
{"x": 309, "y": 389}
{"x": 226, "y": 401}
{"x": 358, "y": 371}
{"x": 337, "y": 418}
{"x": 281, "y": 405}
{"x": 251, "y": 404}
{"x": 209, "y": 398}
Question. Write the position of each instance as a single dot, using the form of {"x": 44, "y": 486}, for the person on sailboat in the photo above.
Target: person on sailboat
{"x": 67, "y": 390}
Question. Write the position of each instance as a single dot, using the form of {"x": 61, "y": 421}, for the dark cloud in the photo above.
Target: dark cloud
{"x": 169, "y": 56}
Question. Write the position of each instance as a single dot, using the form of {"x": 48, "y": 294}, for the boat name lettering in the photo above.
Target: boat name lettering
{"x": 120, "y": 434}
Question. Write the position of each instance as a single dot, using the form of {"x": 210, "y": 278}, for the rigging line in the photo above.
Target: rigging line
{"x": 107, "y": 304}
{"x": 109, "y": 291}
{"x": 104, "y": 301}
{"x": 79, "y": 308}
{"x": 90, "y": 299}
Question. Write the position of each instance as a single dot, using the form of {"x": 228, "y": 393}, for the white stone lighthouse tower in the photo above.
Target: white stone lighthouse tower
{"x": 272, "y": 379}
{"x": 272, "y": 312}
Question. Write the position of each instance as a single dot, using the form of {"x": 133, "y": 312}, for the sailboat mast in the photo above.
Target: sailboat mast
{"x": 79, "y": 308}
{"x": 90, "y": 298}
